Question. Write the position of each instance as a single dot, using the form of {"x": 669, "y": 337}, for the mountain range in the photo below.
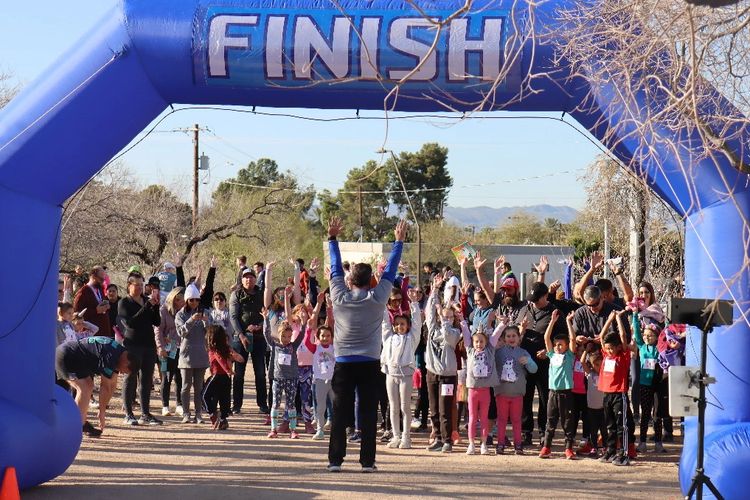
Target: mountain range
{"x": 481, "y": 217}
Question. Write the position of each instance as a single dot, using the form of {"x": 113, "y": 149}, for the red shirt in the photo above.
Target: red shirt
{"x": 613, "y": 374}
{"x": 219, "y": 365}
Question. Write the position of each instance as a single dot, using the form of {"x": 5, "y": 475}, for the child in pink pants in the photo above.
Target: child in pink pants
{"x": 480, "y": 376}
{"x": 513, "y": 363}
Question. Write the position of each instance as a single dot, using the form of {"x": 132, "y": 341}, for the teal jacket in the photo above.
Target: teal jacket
{"x": 649, "y": 354}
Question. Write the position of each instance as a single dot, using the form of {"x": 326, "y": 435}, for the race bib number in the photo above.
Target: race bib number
{"x": 285, "y": 359}
{"x": 325, "y": 367}
{"x": 481, "y": 370}
{"x": 578, "y": 367}
{"x": 557, "y": 359}
{"x": 649, "y": 364}
{"x": 609, "y": 365}
{"x": 446, "y": 389}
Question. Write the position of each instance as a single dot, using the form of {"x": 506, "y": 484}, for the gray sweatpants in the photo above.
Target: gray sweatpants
{"x": 399, "y": 399}
{"x": 323, "y": 391}
{"x": 192, "y": 378}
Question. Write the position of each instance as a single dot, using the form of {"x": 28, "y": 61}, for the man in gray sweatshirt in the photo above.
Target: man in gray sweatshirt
{"x": 357, "y": 341}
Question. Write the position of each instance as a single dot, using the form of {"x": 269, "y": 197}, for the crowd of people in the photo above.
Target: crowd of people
{"x": 342, "y": 351}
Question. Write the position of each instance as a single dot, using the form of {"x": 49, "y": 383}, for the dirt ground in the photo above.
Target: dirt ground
{"x": 189, "y": 461}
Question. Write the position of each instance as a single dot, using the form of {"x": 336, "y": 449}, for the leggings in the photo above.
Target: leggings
{"x": 286, "y": 387}
{"x": 597, "y": 426}
{"x": 509, "y": 407}
{"x": 218, "y": 392}
{"x": 399, "y": 398}
{"x": 383, "y": 401}
{"x": 306, "y": 393}
{"x": 172, "y": 374}
{"x": 192, "y": 378}
{"x": 648, "y": 393}
{"x": 323, "y": 393}
{"x": 479, "y": 406}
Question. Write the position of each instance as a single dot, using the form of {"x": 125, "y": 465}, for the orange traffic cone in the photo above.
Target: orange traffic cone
{"x": 9, "y": 486}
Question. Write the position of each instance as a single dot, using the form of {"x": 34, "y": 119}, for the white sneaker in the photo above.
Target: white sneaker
{"x": 165, "y": 411}
{"x": 483, "y": 449}
{"x": 470, "y": 449}
{"x": 415, "y": 422}
{"x": 327, "y": 427}
{"x": 393, "y": 443}
{"x": 179, "y": 411}
{"x": 405, "y": 444}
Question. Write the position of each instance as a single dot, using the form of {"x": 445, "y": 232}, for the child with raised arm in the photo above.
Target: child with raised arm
{"x": 651, "y": 374}
{"x": 440, "y": 357}
{"x": 400, "y": 341}
{"x": 613, "y": 382}
{"x": 481, "y": 374}
{"x": 285, "y": 374}
{"x": 324, "y": 360}
{"x": 561, "y": 353}
{"x": 513, "y": 363}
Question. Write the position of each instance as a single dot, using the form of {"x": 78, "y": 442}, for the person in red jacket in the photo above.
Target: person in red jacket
{"x": 91, "y": 299}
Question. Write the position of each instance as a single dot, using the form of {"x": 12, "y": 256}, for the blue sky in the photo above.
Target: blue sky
{"x": 34, "y": 34}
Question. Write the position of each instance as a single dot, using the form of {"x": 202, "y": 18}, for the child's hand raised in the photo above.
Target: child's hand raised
{"x": 555, "y": 315}
{"x": 571, "y": 315}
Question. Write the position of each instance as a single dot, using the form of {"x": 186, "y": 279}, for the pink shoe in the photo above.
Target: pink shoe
{"x": 455, "y": 437}
{"x": 268, "y": 420}
{"x": 273, "y": 434}
{"x": 294, "y": 435}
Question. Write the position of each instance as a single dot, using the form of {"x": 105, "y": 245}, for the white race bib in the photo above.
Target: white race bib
{"x": 324, "y": 366}
{"x": 609, "y": 365}
{"x": 557, "y": 359}
{"x": 649, "y": 364}
{"x": 285, "y": 359}
{"x": 446, "y": 389}
{"x": 70, "y": 334}
{"x": 578, "y": 367}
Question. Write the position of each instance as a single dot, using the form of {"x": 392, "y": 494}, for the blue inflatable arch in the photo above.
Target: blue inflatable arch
{"x": 148, "y": 54}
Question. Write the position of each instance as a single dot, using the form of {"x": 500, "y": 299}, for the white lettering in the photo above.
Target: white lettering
{"x": 399, "y": 40}
{"x": 308, "y": 39}
{"x": 369, "y": 50}
{"x": 490, "y": 47}
{"x": 219, "y": 42}
{"x": 275, "y": 47}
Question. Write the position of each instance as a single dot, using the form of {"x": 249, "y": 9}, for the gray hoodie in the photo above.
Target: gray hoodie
{"x": 440, "y": 353}
{"x": 193, "y": 351}
{"x": 511, "y": 373}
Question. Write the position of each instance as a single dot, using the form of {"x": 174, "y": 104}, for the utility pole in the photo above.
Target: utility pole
{"x": 196, "y": 164}
{"x": 361, "y": 225}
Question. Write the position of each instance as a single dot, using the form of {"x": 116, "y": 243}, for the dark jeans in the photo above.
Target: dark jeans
{"x": 172, "y": 374}
{"x": 441, "y": 407}
{"x": 538, "y": 381}
{"x": 216, "y": 393}
{"x": 348, "y": 377}
{"x": 259, "y": 369}
{"x": 147, "y": 356}
{"x": 560, "y": 407}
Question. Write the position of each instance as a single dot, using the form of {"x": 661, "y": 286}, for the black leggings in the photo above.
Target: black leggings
{"x": 146, "y": 376}
{"x": 217, "y": 392}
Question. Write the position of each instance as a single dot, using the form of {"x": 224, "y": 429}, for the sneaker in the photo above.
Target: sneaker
{"x": 659, "y": 448}
{"x": 594, "y": 453}
{"x": 499, "y": 449}
{"x": 293, "y": 435}
{"x": 309, "y": 428}
{"x": 632, "y": 453}
{"x": 214, "y": 417}
{"x": 223, "y": 424}
{"x": 470, "y": 449}
{"x": 267, "y": 421}
{"x": 90, "y": 430}
{"x": 179, "y": 410}
{"x": 405, "y": 444}
{"x": 415, "y": 422}
{"x": 447, "y": 448}
{"x": 545, "y": 453}
{"x": 237, "y": 411}
{"x": 130, "y": 420}
{"x": 490, "y": 441}
{"x": 198, "y": 419}
{"x": 186, "y": 418}
{"x": 455, "y": 437}
{"x": 584, "y": 449}
{"x": 527, "y": 440}
{"x": 265, "y": 410}
{"x": 148, "y": 419}
{"x": 165, "y": 411}
{"x": 621, "y": 460}
{"x": 333, "y": 468}
{"x": 386, "y": 437}
{"x": 518, "y": 449}
{"x": 356, "y": 437}
{"x": 422, "y": 428}
{"x": 483, "y": 450}
{"x": 284, "y": 427}
{"x": 273, "y": 434}
{"x": 394, "y": 443}
{"x": 668, "y": 438}
{"x": 608, "y": 456}
{"x": 436, "y": 446}
{"x": 369, "y": 469}
{"x": 569, "y": 454}
{"x": 327, "y": 427}
{"x": 193, "y": 420}
{"x": 507, "y": 441}
{"x": 642, "y": 447}
{"x": 319, "y": 436}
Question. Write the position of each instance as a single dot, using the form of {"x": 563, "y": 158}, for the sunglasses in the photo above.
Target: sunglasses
{"x": 595, "y": 304}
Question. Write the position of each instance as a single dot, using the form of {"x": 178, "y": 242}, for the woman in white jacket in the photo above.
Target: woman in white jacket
{"x": 400, "y": 341}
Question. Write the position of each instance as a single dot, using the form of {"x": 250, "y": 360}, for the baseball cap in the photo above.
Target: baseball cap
{"x": 169, "y": 265}
{"x": 135, "y": 269}
{"x": 154, "y": 281}
{"x": 247, "y": 270}
{"x": 538, "y": 290}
